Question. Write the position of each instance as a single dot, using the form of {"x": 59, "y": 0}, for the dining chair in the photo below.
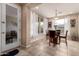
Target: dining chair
{"x": 63, "y": 36}
{"x": 47, "y": 35}
{"x": 58, "y": 34}
{"x": 52, "y": 37}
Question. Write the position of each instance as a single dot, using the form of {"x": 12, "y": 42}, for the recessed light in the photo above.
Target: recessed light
{"x": 56, "y": 18}
{"x": 71, "y": 12}
{"x": 36, "y": 7}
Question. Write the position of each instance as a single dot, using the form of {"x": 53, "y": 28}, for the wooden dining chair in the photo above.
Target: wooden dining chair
{"x": 52, "y": 37}
{"x": 58, "y": 34}
{"x": 47, "y": 35}
{"x": 63, "y": 36}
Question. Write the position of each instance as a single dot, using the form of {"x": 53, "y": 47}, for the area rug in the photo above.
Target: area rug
{"x": 11, "y": 53}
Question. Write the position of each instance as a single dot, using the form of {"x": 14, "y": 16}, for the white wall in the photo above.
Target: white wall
{"x": 73, "y": 30}
{"x": 78, "y": 26}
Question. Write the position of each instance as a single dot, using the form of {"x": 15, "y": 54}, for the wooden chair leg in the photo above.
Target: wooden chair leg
{"x": 49, "y": 41}
{"x": 59, "y": 40}
{"x": 46, "y": 38}
{"x": 66, "y": 41}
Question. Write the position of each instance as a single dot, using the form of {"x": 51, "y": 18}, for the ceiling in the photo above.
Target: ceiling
{"x": 31, "y": 5}
{"x": 48, "y": 9}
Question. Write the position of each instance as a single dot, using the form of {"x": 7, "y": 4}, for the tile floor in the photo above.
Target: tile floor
{"x": 42, "y": 48}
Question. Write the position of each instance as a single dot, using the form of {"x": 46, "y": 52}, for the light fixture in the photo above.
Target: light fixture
{"x": 37, "y": 7}
{"x": 71, "y": 12}
{"x": 56, "y": 15}
{"x": 41, "y": 23}
{"x": 55, "y": 18}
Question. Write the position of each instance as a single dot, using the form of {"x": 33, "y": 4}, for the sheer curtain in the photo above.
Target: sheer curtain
{"x": 34, "y": 24}
{"x": 67, "y": 25}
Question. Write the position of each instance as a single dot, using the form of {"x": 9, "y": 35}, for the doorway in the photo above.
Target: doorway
{"x": 9, "y": 27}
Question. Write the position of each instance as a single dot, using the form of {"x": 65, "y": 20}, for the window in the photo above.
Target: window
{"x": 59, "y": 25}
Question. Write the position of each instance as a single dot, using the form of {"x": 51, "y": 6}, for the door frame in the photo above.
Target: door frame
{"x": 0, "y": 29}
{"x": 13, "y": 45}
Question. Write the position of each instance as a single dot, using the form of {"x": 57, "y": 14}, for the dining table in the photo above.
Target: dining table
{"x": 54, "y": 35}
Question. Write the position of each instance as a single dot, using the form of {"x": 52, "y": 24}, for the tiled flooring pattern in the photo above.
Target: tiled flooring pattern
{"x": 42, "y": 48}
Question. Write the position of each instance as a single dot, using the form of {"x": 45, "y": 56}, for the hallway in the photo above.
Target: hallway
{"x": 42, "y": 48}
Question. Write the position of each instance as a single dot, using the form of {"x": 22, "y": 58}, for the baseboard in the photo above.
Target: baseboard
{"x": 29, "y": 45}
{"x": 23, "y": 46}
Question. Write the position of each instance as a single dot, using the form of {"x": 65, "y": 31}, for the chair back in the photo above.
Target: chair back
{"x": 52, "y": 34}
{"x": 58, "y": 32}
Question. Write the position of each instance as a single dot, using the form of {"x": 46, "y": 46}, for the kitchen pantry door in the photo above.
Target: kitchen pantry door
{"x": 10, "y": 24}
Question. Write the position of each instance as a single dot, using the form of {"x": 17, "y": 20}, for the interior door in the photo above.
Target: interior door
{"x": 10, "y": 31}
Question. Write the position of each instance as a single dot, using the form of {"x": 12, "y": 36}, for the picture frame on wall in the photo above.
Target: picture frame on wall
{"x": 49, "y": 24}
{"x": 73, "y": 22}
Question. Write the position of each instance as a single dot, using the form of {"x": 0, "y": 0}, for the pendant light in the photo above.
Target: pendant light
{"x": 56, "y": 15}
